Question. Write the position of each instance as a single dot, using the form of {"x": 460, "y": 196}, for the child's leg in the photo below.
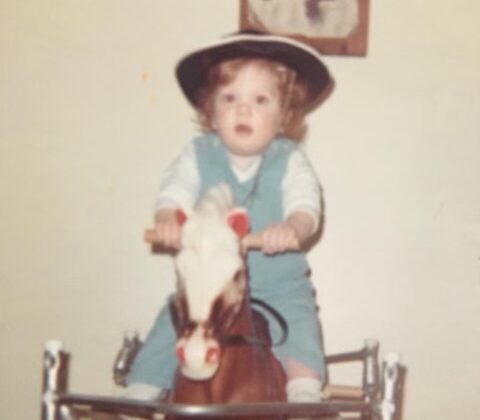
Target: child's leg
{"x": 154, "y": 366}
{"x": 303, "y": 383}
{"x": 302, "y": 354}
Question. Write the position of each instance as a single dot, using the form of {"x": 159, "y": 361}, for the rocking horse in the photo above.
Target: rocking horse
{"x": 225, "y": 364}
{"x": 221, "y": 341}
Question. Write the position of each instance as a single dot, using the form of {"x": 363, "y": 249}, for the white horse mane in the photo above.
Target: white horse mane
{"x": 218, "y": 199}
{"x": 209, "y": 254}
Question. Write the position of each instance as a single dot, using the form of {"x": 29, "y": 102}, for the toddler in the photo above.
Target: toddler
{"x": 251, "y": 92}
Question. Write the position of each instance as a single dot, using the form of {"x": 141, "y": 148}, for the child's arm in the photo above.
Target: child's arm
{"x": 301, "y": 188}
{"x": 178, "y": 190}
{"x": 303, "y": 224}
{"x": 301, "y": 206}
{"x": 168, "y": 228}
{"x": 276, "y": 238}
{"x": 179, "y": 184}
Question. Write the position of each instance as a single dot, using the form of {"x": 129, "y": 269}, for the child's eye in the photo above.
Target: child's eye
{"x": 262, "y": 99}
{"x": 227, "y": 98}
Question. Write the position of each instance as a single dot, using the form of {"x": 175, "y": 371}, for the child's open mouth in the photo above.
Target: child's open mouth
{"x": 243, "y": 129}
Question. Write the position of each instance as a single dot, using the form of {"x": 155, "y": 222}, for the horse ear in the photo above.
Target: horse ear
{"x": 238, "y": 221}
{"x": 181, "y": 216}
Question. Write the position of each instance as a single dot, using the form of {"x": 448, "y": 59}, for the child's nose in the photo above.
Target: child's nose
{"x": 243, "y": 108}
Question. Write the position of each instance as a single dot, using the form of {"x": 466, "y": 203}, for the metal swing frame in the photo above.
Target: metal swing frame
{"x": 379, "y": 397}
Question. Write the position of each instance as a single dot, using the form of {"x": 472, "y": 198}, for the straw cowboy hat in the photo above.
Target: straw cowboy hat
{"x": 192, "y": 69}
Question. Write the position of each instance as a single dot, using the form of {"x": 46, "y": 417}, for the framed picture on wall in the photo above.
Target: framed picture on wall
{"x": 337, "y": 27}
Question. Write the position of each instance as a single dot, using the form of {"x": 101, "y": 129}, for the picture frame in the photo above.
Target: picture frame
{"x": 333, "y": 27}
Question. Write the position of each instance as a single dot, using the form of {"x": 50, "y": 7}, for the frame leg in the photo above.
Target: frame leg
{"x": 55, "y": 362}
{"x": 123, "y": 362}
{"x": 391, "y": 381}
{"x": 370, "y": 373}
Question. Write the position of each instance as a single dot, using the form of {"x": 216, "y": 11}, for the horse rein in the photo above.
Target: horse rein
{"x": 242, "y": 339}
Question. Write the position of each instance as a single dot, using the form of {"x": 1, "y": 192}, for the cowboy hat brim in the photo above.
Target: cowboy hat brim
{"x": 192, "y": 69}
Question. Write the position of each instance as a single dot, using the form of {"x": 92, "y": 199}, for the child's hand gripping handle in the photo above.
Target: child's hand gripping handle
{"x": 255, "y": 241}
{"x": 250, "y": 241}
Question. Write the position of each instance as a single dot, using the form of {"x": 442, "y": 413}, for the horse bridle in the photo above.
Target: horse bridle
{"x": 227, "y": 340}
{"x": 253, "y": 340}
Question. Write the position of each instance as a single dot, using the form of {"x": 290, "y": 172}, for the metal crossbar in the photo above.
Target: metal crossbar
{"x": 148, "y": 409}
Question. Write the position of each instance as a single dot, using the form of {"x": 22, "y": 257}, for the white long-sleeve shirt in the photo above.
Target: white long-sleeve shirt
{"x": 301, "y": 190}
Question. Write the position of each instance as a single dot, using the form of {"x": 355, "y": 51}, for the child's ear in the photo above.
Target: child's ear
{"x": 287, "y": 115}
{"x": 239, "y": 221}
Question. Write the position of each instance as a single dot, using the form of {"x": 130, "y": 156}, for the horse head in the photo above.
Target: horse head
{"x": 211, "y": 281}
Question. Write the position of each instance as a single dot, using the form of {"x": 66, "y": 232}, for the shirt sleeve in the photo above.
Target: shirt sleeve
{"x": 301, "y": 188}
{"x": 180, "y": 182}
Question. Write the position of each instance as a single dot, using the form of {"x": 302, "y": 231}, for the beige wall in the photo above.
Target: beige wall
{"x": 90, "y": 114}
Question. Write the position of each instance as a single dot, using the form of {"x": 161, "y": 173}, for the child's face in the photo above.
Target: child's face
{"x": 247, "y": 113}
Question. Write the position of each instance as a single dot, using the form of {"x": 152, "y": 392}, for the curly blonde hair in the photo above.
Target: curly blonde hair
{"x": 292, "y": 93}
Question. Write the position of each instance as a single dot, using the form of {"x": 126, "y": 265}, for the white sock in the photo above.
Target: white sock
{"x": 308, "y": 390}
{"x": 142, "y": 392}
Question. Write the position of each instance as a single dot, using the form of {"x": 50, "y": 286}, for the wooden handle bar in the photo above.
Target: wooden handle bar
{"x": 151, "y": 237}
{"x": 250, "y": 241}
{"x": 343, "y": 392}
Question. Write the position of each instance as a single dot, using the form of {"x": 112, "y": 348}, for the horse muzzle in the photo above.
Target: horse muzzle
{"x": 198, "y": 356}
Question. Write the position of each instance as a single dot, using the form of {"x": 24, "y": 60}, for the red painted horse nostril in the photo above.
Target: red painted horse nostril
{"x": 212, "y": 355}
{"x": 180, "y": 353}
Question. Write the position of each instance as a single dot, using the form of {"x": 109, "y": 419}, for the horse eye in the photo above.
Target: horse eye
{"x": 175, "y": 316}
{"x": 209, "y": 332}
{"x": 189, "y": 328}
